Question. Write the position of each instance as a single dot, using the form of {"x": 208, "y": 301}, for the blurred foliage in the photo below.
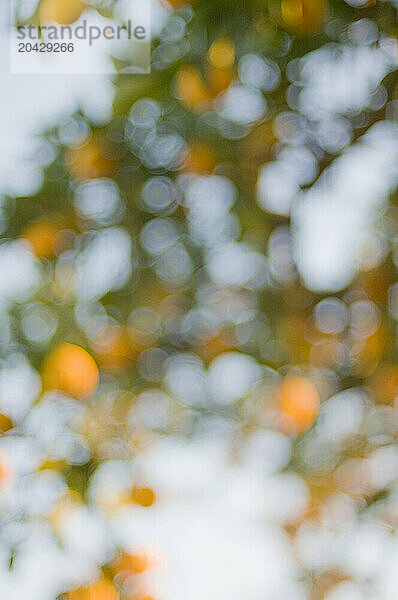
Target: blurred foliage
{"x": 157, "y": 263}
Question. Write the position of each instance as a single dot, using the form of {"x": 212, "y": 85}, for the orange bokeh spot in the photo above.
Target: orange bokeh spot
{"x": 5, "y": 423}
{"x": 177, "y": 3}
{"x": 64, "y": 12}
{"x": 130, "y": 564}
{"x": 221, "y": 54}
{"x": 209, "y": 350}
{"x": 89, "y": 161}
{"x": 79, "y": 594}
{"x": 143, "y": 496}
{"x": 71, "y": 369}
{"x": 196, "y": 91}
{"x": 299, "y": 404}
{"x": 200, "y": 159}
{"x": 42, "y": 237}
{"x": 115, "y": 349}
{"x": 219, "y": 79}
{"x": 6, "y": 473}
{"x": 301, "y": 17}
{"x": 100, "y": 590}
{"x": 384, "y": 383}
{"x": 191, "y": 89}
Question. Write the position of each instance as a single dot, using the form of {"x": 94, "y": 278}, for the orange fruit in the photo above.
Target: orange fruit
{"x": 71, "y": 369}
{"x": 64, "y": 12}
{"x": 299, "y": 404}
{"x": 143, "y": 496}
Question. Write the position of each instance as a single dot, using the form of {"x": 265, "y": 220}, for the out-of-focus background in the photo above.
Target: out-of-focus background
{"x": 198, "y": 309}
